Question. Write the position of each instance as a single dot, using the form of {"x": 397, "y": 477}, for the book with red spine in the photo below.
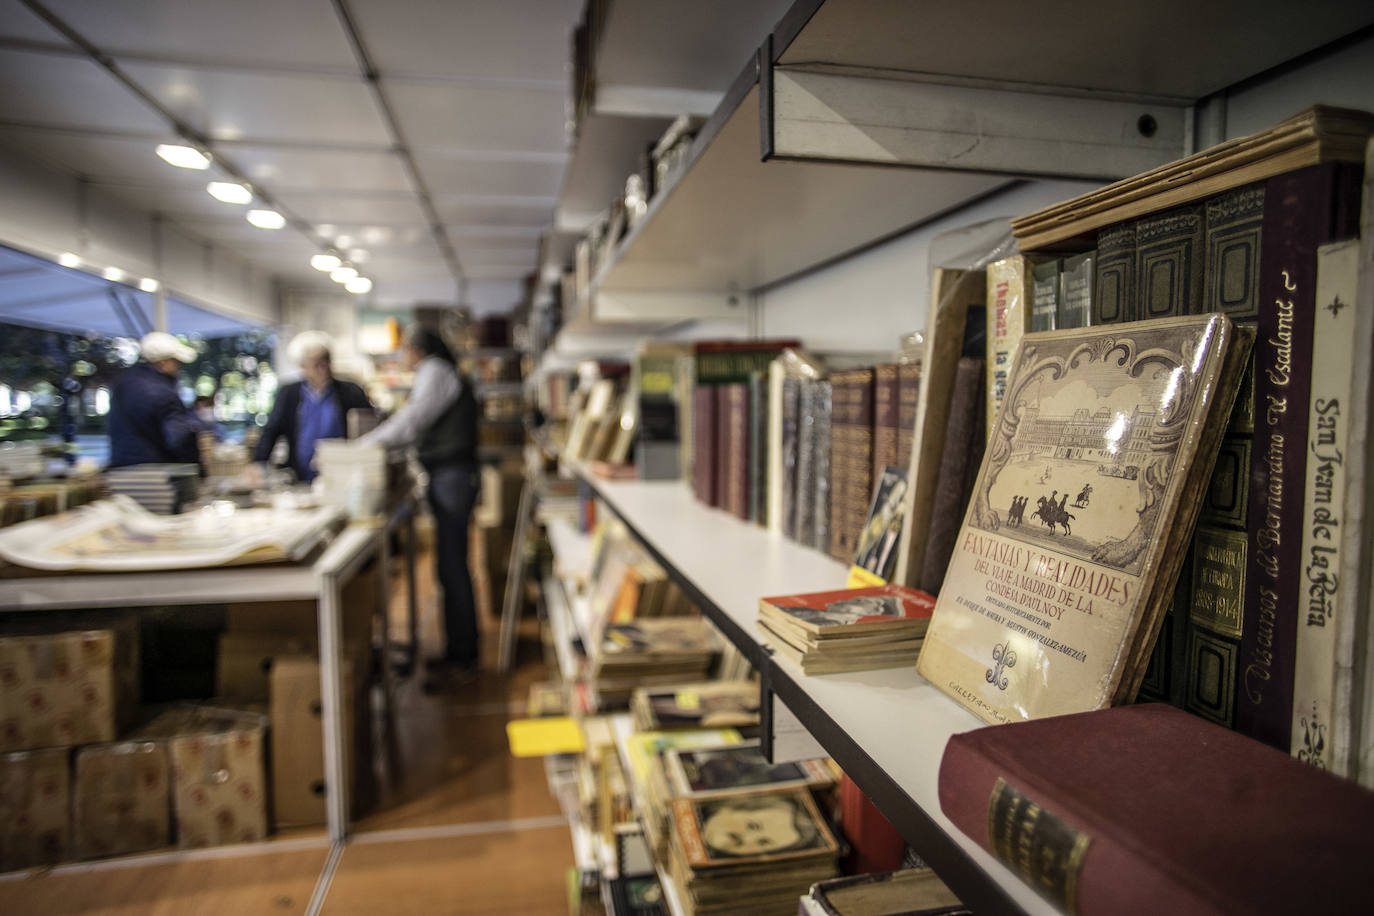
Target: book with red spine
{"x": 1146, "y": 809}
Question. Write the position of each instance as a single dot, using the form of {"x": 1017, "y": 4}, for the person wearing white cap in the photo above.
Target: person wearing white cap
{"x": 148, "y": 421}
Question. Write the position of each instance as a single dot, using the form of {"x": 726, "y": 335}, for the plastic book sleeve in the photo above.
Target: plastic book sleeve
{"x": 1073, "y": 537}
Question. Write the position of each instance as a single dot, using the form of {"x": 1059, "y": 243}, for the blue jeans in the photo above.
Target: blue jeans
{"x": 453, "y": 492}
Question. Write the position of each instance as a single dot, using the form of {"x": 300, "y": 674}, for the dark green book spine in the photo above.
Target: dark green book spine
{"x": 1169, "y": 264}
{"x": 1114, "y": 276}
{"x": 758, "y": 446}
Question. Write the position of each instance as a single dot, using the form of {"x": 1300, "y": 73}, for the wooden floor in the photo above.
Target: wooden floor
{"x": 460, "y": 826}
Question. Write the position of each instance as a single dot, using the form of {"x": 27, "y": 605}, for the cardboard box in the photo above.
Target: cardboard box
{"x": 57, "y": 690}
{"x": 245, "y": 661}
{"x": 219, "y": 783}
{"x": 121, "y": 799}
{"x": 298, "y": 781}
{"x": 45, "y": 673}
{"x": 35, "y": 805}
{"x": 298, "y": 618}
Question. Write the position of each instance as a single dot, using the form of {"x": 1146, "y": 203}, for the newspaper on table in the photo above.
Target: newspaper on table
{"x": 118, "y": 535}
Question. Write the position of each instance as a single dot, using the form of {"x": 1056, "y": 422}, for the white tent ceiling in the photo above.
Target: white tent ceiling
{"x": 447, "y": 166}
{"x": 478, "y": 90}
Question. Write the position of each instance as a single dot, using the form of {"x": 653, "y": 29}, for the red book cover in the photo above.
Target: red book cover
{"x": 1148, "y": 810}
{"x": 1302, "y": 210}
{"x": 874, "y": 844}
{"x": 704, "y": 443}
{"x": 736, "y": 449}
{"x": 854, "y": 610}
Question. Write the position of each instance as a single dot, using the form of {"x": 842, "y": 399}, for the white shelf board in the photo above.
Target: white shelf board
{"x": 732, "y": 222}
{"x": 866, "y": 705}
{"x": 608, "y": 149}
{"x": 1177, "y": 49}
{"x": 731, "y": 564}
{"x": 572, "y": 550}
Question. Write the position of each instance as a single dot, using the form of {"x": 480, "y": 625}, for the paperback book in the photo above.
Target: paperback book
{"x": 1112, "y": 433}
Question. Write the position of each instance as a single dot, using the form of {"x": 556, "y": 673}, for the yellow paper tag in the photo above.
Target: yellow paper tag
{"x": 549, "y": 735}
{"x": 862, "y": 578}
{"x": 688, "y": 699}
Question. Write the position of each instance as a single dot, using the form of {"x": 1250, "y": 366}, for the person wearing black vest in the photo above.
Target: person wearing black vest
{"x": 440, "y": 421}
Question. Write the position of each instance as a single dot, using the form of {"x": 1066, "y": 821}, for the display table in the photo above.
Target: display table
{"x": 321, "y": 581}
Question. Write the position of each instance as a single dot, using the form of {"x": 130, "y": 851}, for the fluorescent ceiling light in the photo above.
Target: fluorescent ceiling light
{"x": 230, "y": 192}
{"x": 358, "y": 285}
{"x": 148, "y": 285}
{"x": 327, "y": 229}
{"x": 325, "y": 262}
{"x": 342, "y": 274}
{"x": 266, "y": 219}
{"x": 67, "y": 259}
{"x": 357, "y": 255}
{"x": 183, "y": 157}
{"x": 343, "y": 241}
{"x": 114, "y": 273}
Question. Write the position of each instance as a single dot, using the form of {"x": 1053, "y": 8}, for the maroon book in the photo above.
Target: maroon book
{"x": 1147, "y": 810}
{"x": 704, "y": 443}
{"x": 1302, "y": 209}
{"x": 721, "y": 455}
{"x": 908, "y": 393}
{"x": 965, "y": 437}
{"x": 736, "y": 450}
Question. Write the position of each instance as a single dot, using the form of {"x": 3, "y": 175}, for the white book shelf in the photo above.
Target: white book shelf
{"x": 886, "y": 729}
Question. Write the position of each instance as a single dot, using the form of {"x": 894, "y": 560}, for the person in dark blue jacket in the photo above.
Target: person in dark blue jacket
{"x": 312, "y": 409}
{"x": 148, "y": 422}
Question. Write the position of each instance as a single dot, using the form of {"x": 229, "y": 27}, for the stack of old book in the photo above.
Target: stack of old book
{"x": 909, "y": 892}
{"x": 712, "y": 704}
{"x": 855, "y": 629}
{"x": 160, "y": 488}
{"x": 664, "y": 650}
{"x": 1264, "y": 229}
{"x": 756, "y": 852}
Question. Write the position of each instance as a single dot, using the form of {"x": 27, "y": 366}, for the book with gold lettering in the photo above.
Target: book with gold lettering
{"x": 1088, "y": 491}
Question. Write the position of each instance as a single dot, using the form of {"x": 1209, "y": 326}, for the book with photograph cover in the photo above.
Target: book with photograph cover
{"x": 756, "y": 829}
{"x": 741, "y": 768}
{"x": 908, "y": 892}
{"x": 852, "y": 612}
{"x": 1112, "y": 433}
{"x": 875, "y": 557}
{"x": 711, "y": 704}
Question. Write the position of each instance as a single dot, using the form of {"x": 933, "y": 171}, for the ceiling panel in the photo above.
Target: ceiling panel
{"x": 286, "y": 169}
{"x": 103, "y": 157}
{"x": 512, "y": 212}
{"x": 60, "y": 89}
{"x": 16, "y": 21}
{"x": 375, "y": 238}
{"x": 496, "y": 272}
{"x": 466, "y": 118}
{"x": 236, "y": 105}
{"x": 514, "y": 39}
{"x": 181, "y": 204}
{"x": 369, "y": 210}
{"x": 447, "y": 175}
{"x": 516, "y": 256}
{"x": 291, "y": 34}
{"x": 519, "y": 237}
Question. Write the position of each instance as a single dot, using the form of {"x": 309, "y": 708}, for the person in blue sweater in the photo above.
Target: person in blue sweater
{"x": 148, "y": 422}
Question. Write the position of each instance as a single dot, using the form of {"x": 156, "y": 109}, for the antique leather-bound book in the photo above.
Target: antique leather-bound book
{"x": 1146, "y": 810}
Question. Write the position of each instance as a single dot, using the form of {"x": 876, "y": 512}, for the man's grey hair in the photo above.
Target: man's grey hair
{"x": 308, "y": 344}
